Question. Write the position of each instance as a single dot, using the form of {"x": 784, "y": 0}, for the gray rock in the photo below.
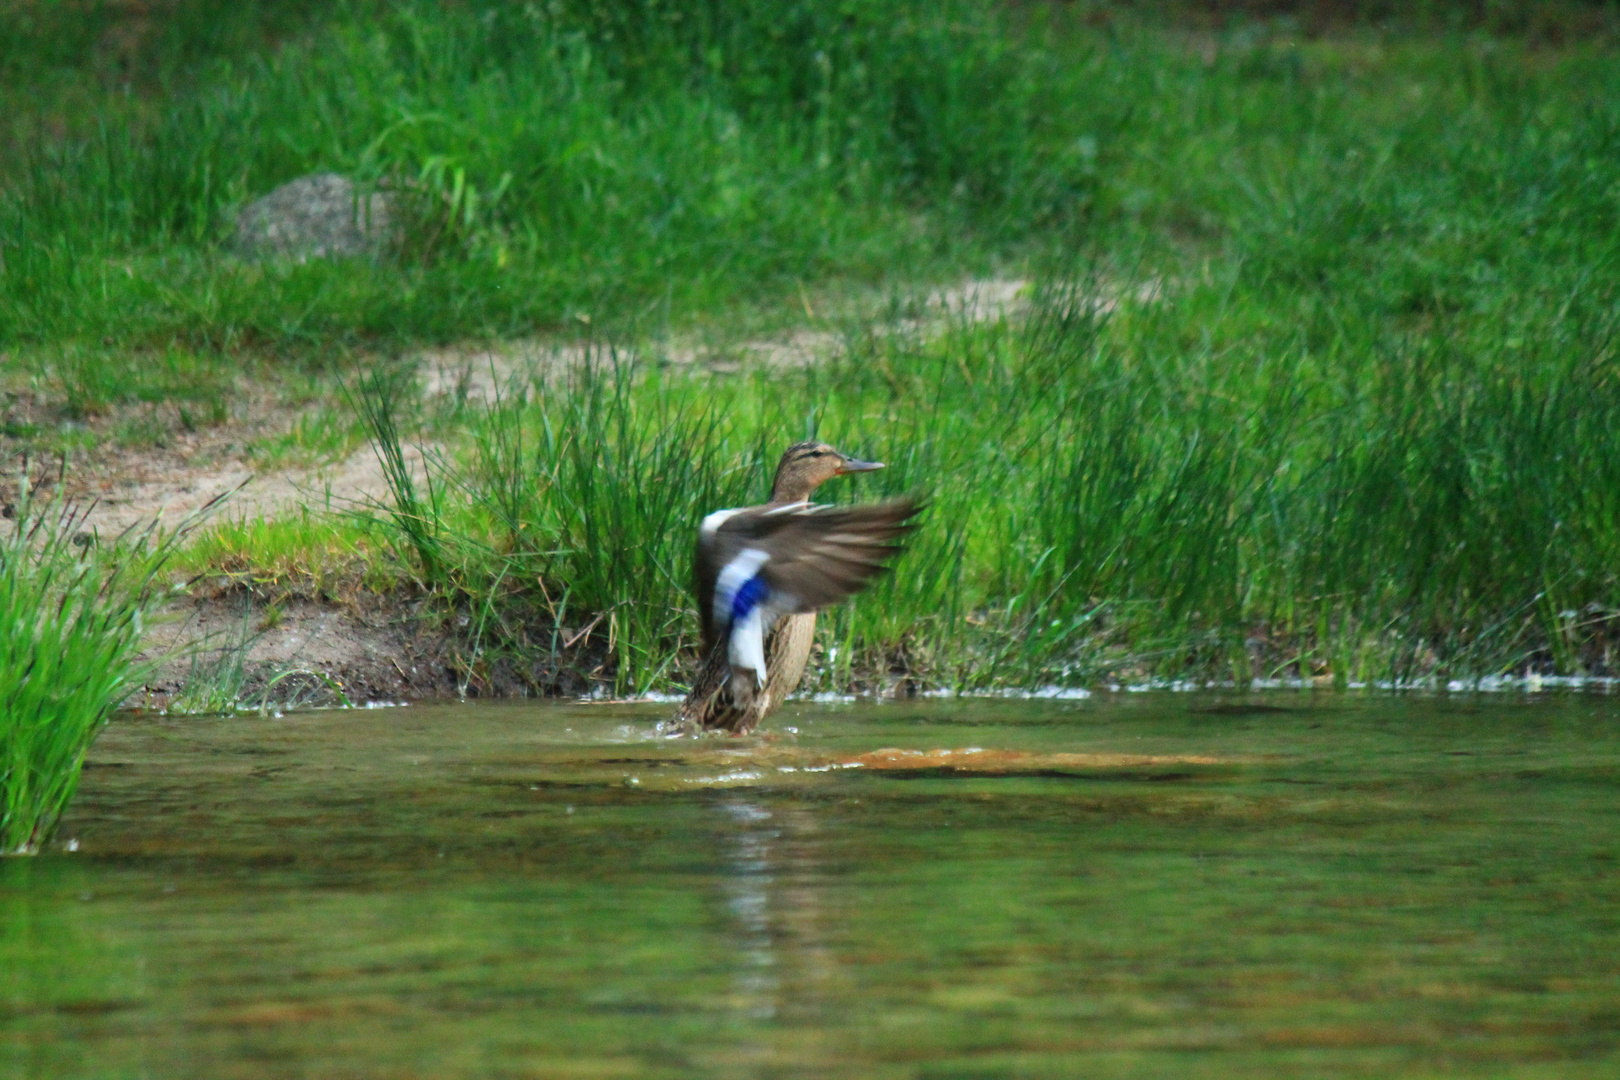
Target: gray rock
{"x": 317, "y": 216}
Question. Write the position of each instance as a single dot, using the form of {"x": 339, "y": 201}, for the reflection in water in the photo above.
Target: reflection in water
{"x": 775, "y": 890}
{"x": 747, "y": 889}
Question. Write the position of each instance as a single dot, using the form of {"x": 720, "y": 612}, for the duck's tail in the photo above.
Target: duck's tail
{"x": 722, "y": 698}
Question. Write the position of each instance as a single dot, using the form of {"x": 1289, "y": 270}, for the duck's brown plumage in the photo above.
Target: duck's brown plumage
{"x": 806, "y": 557}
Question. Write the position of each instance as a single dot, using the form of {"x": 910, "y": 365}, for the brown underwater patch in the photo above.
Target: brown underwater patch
{"x": 706, "y": 763}
{"x": 989, "y": 762}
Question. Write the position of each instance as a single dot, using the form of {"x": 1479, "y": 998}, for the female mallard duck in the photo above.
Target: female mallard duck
{"x": 762, "y": 572}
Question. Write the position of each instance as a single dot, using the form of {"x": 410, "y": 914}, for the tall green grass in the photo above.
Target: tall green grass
{"x": 1106, "y": 501}
{"x": 558, "y": 535}
{"x": 73, "y": 611}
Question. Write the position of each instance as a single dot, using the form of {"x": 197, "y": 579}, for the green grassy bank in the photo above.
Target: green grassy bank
{"x": 559, "y": 164}
{"x": 1318, "y": 378}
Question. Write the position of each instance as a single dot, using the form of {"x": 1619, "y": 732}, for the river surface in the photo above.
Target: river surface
{"x": 1137, "y": 885}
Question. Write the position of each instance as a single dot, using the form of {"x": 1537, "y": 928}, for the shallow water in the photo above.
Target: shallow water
{"x": 1144, "y": 885}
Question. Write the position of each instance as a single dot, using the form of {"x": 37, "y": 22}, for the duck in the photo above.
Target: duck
{"x": 762, "y": 572}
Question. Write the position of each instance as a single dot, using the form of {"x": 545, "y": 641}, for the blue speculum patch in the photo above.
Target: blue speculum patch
{"x": 752, "y": 592}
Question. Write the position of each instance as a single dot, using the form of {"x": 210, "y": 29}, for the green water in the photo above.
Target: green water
{"x": 1354, "y": 887}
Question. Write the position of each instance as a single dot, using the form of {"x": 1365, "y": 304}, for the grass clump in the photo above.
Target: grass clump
{"x": 563, "y": 527}
{"x": 307, "y": 553}
{"x": 73, "y": 613}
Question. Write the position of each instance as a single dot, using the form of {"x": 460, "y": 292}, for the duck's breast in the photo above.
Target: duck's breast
{"x": 786, "y": 655}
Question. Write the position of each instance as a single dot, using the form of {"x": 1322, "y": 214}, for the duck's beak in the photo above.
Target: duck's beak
{"x": 851, "y": 465}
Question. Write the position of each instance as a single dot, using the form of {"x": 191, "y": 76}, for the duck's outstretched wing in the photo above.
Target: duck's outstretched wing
{"x": 757, "y": 564}
{"x": 797, "y": 558}
{"x": 818, "y": 555}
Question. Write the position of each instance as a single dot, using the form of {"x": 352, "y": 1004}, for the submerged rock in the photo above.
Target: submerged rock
{"x": 318, "y": 216}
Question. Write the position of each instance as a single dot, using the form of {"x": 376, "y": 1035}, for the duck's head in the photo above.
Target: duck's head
{"x": 806, "y": 466}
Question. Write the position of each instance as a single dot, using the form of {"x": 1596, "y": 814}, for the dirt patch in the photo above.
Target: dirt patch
{"x": 133, "y": 487}
{"x": 238, "y": 647}
{"x": 481, "y": 372}
{"x": 218, "y": 648}
{"x": 358, "y": 481}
